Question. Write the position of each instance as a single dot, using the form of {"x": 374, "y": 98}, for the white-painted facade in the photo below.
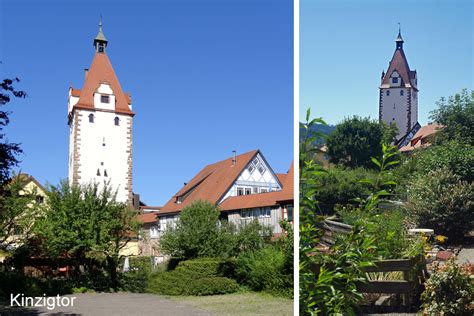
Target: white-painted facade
{"x": 257, "y": 177}
{"x": 102, "y": 139}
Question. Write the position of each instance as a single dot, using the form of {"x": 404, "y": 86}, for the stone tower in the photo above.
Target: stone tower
{"x": 100, "y": 127}
{"x": 398, "y": 100}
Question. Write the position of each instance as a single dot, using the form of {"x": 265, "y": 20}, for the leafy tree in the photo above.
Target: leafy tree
{"x": 8, "y": 151}
{"x": 200, "y": 233}
{"x": 85, "y": 223}
{"x": 456, "y": 114}
{"x": 357, "y": 139}
{"x": 18, "y": 208}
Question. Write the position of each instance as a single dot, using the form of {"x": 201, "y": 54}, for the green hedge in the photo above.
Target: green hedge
{"x": 194, "y": 277}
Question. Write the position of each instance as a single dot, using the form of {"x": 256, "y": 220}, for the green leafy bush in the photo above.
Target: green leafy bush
{"x": 264, "y": 270}
{"x": 441, "y": 201}
{"x": 203, "y": 276}
{"x": 449, "y": 291}
{"x": 340, "y": 186}
{"x": 454, "y": 156}
{"x": 200, "y": 233}
{"x": 136, "y": 279}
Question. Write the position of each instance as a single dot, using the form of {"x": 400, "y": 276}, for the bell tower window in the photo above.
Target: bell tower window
{"x": 116, "y": 121}
{"x": 91, "y": 118}
{"x": 104, "y": 99}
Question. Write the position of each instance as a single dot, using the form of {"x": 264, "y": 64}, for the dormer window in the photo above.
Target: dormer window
{"x": 91, "y": 118}
{"x": 395, "y": 80}
{"x": 104, "y": 99}
{"x": 116, "y": 121}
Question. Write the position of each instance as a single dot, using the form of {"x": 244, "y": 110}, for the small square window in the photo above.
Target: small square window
{"x": 395, "y": 80}
{"x": 261, "y": 169}
{"x": 248, "y": 191}
{"x": 104, "y": 99}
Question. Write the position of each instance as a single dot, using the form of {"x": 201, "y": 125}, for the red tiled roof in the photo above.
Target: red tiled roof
{"x": 147, "y": 217}
{"x": 262, "y": 199}
{"x": 75, "y": 92}
{"x": 420, "y": 136}
{"x": 400, "y": 64}
{"x": 211, "y": 183}
{"x": 101, "y": 71}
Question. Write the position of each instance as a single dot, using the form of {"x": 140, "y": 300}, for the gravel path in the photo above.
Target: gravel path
{"x": 119, "y": 304}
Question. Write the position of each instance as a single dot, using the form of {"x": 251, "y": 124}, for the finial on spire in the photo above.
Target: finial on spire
{"x": 100, "y": 42}
{"x": 399, "y": 40}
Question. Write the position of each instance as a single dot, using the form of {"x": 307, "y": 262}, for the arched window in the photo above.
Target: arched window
{"x": 117, "y": 121}
{"x": 401, "y": 92}
{"x": 91, "y": 118}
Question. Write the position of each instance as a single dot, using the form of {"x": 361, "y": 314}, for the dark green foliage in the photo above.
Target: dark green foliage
{"x": 8, "y": 151}
{"x": 86, "y": 224}
{"x": 200, "y": 233}
{"x": 194, "y": 277}
{"x": 456, "y": 114}
{"x": 442, "y": 201}
{"x": 264, "y": 270}
{"x": 136, "y": 279}
{"x": 453, "y": 155}
{"x": 341, "y": 186}
{"x": 356, "y": 140}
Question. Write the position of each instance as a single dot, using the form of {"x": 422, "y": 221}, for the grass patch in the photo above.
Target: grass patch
{"x": 248, "y": 303}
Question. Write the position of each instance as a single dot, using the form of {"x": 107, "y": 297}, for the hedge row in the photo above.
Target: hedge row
{"x": 193, "y": 277}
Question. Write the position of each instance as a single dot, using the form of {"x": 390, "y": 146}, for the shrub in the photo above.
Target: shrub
{"x": 200, "y": 233}
{"x": 439, "y": 200}
{"x": 194, "y": 277}
{"x": 264, "y": 270}
{"x": 454, "y": 156}
{"x": 449, "y": 291}
{"x": 136, "y": 279}
{"x": 341, "y": 186}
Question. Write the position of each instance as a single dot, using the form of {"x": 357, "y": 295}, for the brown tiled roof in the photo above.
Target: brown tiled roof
{"x": 262, "y": 199}
{"x": 147, "y": 218}
{"x": 75, "y": 92}
{"x": 101, "y": 71}
{"x": 211, "y": 183}
{"x": 419, "y": 140}
{"x": 400, "y": 64}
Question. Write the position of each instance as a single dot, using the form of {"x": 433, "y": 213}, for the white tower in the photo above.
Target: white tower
{"x": 398, "y": 101}
{"x": 100, "y": 126}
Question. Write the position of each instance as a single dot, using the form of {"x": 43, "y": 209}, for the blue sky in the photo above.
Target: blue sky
{"x": 206, "y": 77}
{"x": 345, "y": 45}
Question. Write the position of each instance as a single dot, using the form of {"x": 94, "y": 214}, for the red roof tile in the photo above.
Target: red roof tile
{"x": 101, "y": 71}
{"x": 147, "y": 218}
{"x": 211, "y": 183}
{"x": 400, "y": 64}
{"x": 419, "y": 139}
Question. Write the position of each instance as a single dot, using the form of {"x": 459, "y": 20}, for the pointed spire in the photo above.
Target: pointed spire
{"x": 100, "y": 42}
{"x": 399, "y": 40}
